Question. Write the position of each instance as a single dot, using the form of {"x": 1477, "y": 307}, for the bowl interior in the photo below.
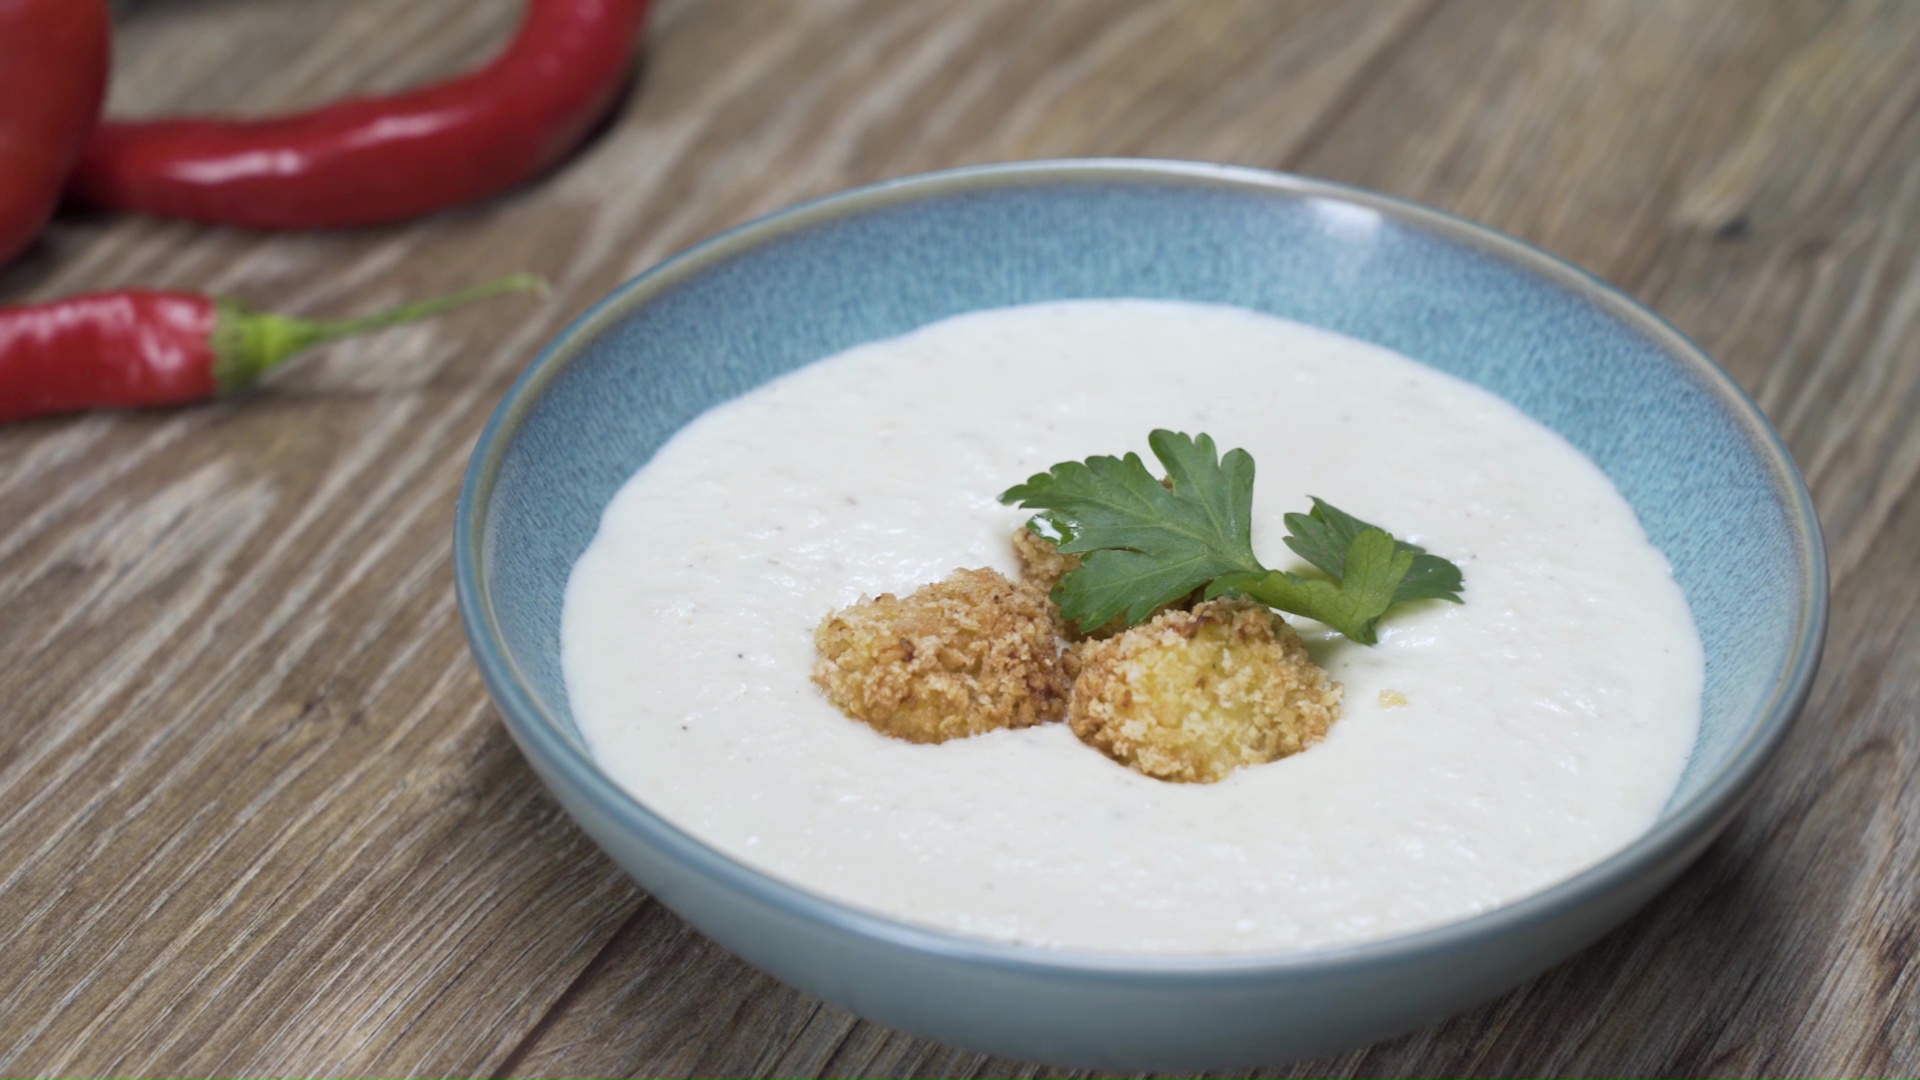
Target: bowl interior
{"x": 1705, "y": 474}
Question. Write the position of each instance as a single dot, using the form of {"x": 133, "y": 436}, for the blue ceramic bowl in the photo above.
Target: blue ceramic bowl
{"x": 1709, "y": 478}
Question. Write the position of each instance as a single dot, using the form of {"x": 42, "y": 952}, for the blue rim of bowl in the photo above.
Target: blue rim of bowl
{"x": 1676, "y": 828}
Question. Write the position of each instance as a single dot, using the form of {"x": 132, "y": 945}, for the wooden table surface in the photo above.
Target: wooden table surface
{"x": 257, "y": 814}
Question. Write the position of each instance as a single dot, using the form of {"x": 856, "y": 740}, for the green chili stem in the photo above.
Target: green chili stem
{"x": 247, "y": 344}
{"x": 333, "y": 330}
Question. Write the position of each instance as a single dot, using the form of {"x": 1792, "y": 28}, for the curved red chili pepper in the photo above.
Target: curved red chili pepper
{"x": 371, "y": 161}
{"x": 136, "y": 348}
{"x": 53, "y": 71}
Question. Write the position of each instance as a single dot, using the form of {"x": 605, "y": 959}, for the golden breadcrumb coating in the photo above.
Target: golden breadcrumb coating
{"x": 1193, "y": 695}
{"x": 1041, "y": 564}
{"x": 967, "y": 655}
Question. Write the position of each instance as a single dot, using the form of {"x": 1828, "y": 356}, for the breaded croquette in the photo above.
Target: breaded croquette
{"x": 1041, "y": 564}
{"x": 964, "y": 656}
{"x": 1193, "y": 695}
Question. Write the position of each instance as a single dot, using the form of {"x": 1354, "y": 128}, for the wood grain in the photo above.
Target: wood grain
{"x": 257, "y": 816}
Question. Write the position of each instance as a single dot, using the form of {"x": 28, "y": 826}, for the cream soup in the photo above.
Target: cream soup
{"x": 1486, "y": 750}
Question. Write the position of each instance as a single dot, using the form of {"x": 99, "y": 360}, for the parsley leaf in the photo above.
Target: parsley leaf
{"x": 1323, "y": 536}
{"x": 1144, "y": 544}
{"x": 1351, "y": 603}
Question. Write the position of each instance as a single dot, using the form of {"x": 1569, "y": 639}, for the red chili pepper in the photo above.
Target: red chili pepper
{"x": 132, "y": 348}
{"x": 372, "y": 161}
{"x": 53, "y": 71}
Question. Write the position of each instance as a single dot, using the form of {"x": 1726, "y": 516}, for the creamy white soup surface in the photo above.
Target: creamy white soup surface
{"x": 1546, "y": 720}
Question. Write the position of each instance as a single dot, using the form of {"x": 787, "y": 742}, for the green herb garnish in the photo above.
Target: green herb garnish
{"x": 1143, "y": 544}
